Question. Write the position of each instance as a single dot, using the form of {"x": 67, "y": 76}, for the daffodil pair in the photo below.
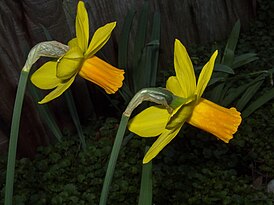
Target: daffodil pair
{"x": 80, "y": 59}
{"x": 197, "y": 111}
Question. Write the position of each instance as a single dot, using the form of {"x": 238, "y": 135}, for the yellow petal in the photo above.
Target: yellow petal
{"x": 174, "y": 86}
{"x": 184, "y": 70}
{"x": 45, "y": 76}
{"x": 205, "y": 75}
{"x": 160, "y": 143}
{"x": 62, "y": 87}
{"x": 150, "y": 122}
{"x": 70, "y": 63}
{"x": 82, "y": 26}
{"x": 215, "y": 119}
{"x": 99, "y": 39}
{"x": 73, "y": 42}
{"x": 103, "y": 74}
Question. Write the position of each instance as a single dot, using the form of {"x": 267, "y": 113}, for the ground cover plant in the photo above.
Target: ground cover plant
{"x": 194, "y": 169}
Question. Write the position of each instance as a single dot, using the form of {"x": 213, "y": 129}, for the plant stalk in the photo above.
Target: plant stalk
{"x": 15, "y": 125}
{"x": 113, "y": 159}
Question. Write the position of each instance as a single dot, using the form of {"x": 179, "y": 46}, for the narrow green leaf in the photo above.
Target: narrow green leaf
{"x": 123, "y": 56}
{"x": 125, "y": 93}
{"x": 217, "y": 92}
{"x": 229, "y": 51}
{"x": 75, "y": 117}
{"x": 258, "y": 103}
{"x": 46, "y": 114}
{"x": 145, "y": 196}
{"x": 214, "y": 80}
{"x": 148, "y": 65}
{"x": 139, "y": 43}
{"x": 234, "y": 93}
{"x": 244, "y": 59}
{"x": 223, "y": 68}
{"x": 124, "y": 40}
{"x": 228, "y": 57}
{"x": 249, "y": 93}
{"x": 156, "y": 33}
{"x": 142, "y": 72}
{"x": 147, "y": 68}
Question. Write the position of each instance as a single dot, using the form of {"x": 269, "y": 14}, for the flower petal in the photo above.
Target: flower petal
{"x": 62, "y": 87}
{"x": 73, "y": 42}
{"x": 82, "y": 26}
{"x": 160, "y": 143}
{"x": 184, "y": 70}
{"x": 149, "y": 123}
{"x": 215, "y": 119}
{"x": 70, "y": 63}
{"x": 205, "y": 75}
{"x": 174, "y": 86}
{"x": 103, "y": 74}
{"x": 99, "y": 39}
{"x": 45, "y": 76}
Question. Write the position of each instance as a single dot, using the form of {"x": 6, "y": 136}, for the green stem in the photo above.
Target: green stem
{"x": 156, "y": 95}
{"x": 15, "y": 125}
{"x": 145, "y": 196}
{"x": 48, "y": 49}
{"x": 113, "y": 159}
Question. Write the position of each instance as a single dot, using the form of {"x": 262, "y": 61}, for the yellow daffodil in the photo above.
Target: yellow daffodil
{"x": 197, "y": 111}
{"x": 80, "y": 59}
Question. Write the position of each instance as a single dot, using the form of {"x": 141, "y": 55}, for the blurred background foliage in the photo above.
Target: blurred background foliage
{"x": 195, "y": 168}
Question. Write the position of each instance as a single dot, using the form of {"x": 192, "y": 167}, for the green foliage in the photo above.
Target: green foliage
{"x": 141, "y": 66}
{"x": 194, "y": 169}
{"x": 64, "y": 174}
{"x": 230, "y": 87}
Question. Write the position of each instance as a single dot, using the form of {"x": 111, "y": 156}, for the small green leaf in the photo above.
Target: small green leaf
{"x": 223, "y": 68}
{"x": 217, "y": 92}
{"x": 250, "y": 92}
{"x": 258, "y": 103}
{"x": 244, "y": 59}
{"x": 228, "y": 56}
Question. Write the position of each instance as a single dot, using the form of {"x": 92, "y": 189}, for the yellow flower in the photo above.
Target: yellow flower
{"x": 80, "y": 59}
{"x": 197, "y": 111}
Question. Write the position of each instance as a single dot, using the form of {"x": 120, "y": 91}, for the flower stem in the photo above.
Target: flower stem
{"x": 156, "y": 95}
{"x": 14, "y": 136}
{"x": 113, "y": 159}
{"x": 48, "y": 49}
{"x": 145, "y": 196}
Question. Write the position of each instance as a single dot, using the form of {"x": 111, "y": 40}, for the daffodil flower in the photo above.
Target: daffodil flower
{"x": 197, "y": 111}
{"x": 80, "y": 59}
